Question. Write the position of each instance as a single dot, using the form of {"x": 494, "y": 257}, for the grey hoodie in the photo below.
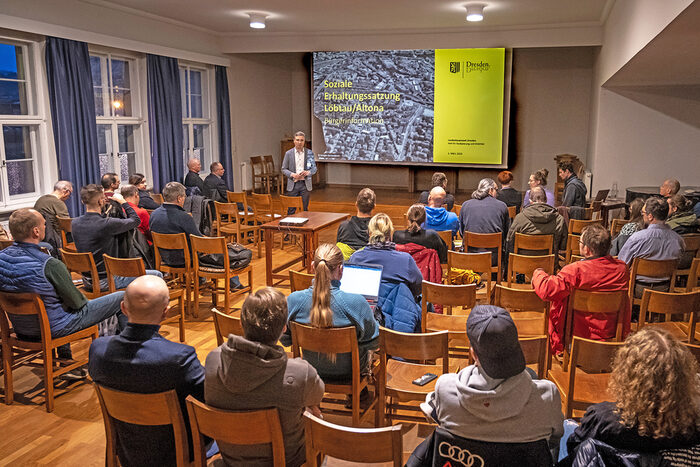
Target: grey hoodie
{"x": 247, "y": 375}
{"x": 538, "y": 219}
{"x": 475, "y": 406}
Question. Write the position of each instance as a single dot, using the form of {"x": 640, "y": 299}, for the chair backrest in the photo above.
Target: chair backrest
{"x": 291, "y": 202}
{"x": 651, "y": 268}
{"x": 480, "y": 263}
{"x": 446, "y": 236}
{"x": 22, "y": 304}
{"x": 512, "y": 211}
{"x": 693, "y": 276}
{"x": 572, "y": 247}
{"x": 209, "y": 246}
{"x": 616, "y": 225}
{"x": 176, "y": 241}
{"x": 226, "y": 324}
{"x": 576, "y": 225}
{"x": 523, "y": 304}
{"x": 124, "y": 267}
{"x": 257, "y": 165}
{"x": 418, "y": 347}
{"x": 523, "y": 264}
{"x": 490, "y": 240}
{"x": 367, "y": 445}
{"x": 447, "y": 296}
{"x": 82, "y": 263}
{"x": 239, "y": 428}
{"x": 162, "y": 408}
{"x": 538, "y": 243}
{"x": 65, "y": 226}
{"x": 5, "y": 243}
{"x": 262, "y": 203}
{"x": 456, "y": 326}
{"x": 269, "y": 163}
{"x": 535, "y": 352}
{"x": 157, "y": 197}
{"x": 299, "y": 280}
{"x": 226, "y": 213}
{"x": 669, "y": 304}
{"x": 692, "y": 249}
{"x": 593, "y": 356}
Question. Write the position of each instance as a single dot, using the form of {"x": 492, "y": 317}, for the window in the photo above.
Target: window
{"x": 118, "y": 113}
{"x": 21, "y": 127}
{"x": 196, "y": 120}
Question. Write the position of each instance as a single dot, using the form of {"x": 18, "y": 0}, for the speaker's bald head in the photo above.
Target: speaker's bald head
{"x": 146, "y": 299}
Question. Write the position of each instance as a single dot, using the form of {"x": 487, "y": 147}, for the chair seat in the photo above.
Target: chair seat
{"x": 400, "y": 376}
{"x": 677, "y": 329}
{"x": 590, "y": 389}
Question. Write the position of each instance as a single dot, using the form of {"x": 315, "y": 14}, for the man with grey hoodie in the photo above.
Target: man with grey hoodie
{"x": 538, "y": 218}
{"x": 496, "y": 399}
{"x": 253, "y": 372}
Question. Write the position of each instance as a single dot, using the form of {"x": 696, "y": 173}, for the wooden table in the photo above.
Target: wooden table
{"x": 610, "y": 204}
{"x": 318, "y": 221}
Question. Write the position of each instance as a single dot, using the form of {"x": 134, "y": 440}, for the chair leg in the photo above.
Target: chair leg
{"x": 7, "y": 360}
{"x": 181, "y": 323}
{"x": 48, "y": 379}
{"x": 195, "y": 308}
{"x": 227, "y": 294}
{"x": 355, "y": 406}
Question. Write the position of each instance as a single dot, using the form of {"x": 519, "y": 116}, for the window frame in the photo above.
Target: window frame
{"x": 188, "y": 122}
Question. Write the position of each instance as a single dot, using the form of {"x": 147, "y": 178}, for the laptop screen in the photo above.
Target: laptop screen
{"x": 363, "y": 279}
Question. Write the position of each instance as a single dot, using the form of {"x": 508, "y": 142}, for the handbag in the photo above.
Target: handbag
{"x": 238, "y": 257}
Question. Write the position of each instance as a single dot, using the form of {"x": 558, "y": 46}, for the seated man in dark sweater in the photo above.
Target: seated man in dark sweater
{"x": 192, "y": 179}
{"x": 25, "y": 268}
{"x": 99, "y": 235}
{"x": 353, "y": 232}
{"x": 214, "y": 185}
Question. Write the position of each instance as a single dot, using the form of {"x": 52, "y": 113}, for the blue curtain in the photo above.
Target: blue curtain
{"x": 73, "y": 115}
{"x": 223, "y": 115}
{"x": 165, "y": 120}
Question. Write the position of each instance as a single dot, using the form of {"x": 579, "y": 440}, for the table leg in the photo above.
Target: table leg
{"x": 268, "y": 256}
{"x": 308, "y": 251}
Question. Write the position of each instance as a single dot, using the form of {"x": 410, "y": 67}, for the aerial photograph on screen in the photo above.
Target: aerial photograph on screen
{"x": 375, "y": 106}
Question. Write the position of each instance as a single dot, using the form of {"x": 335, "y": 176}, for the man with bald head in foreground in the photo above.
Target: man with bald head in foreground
{"x": 141, "y": 360}
{"x": 437, "y": 217}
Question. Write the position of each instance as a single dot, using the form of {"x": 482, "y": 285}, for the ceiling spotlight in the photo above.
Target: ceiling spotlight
{"x": 257, "y": 20}
{"x": 475, "y": 12}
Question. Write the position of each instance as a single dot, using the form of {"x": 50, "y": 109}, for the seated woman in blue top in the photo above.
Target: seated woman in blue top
{"x": 324, "y": 305}
{"x": 400, "y": 273}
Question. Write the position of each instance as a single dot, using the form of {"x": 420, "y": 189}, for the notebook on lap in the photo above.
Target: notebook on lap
{"x": 363, "y": 279}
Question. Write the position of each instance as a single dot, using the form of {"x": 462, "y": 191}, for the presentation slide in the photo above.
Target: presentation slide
{"x": 443, "y": 107}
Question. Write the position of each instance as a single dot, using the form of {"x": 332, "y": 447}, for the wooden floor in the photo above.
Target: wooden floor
{"x": 74, "y": 434}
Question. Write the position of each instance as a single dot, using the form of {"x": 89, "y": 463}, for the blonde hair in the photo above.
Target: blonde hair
{"x": 380, "y": 228}
{"x": 655, "y": 385}
{"x": 327, "y": 259}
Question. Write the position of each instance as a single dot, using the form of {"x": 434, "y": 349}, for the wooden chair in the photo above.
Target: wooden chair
{"x": 260, "y": 175}
{"x": 161, "y": 408}
{"x": 134, "y": 267}
{"x": 480, "y": 263}
{"x": 492, "y": 240}
{"x": 586, "y": 301}
{"x": 650, "y": 268}
{"x": 456, "y": 327}
{"x": 238, "y": 428}
{"x": 447, "y": 295}
{"x": 693, "y": 276}
{"x": 596, "y": 210}
{"x": 572, "y": 248}
{"x": 533, "y": 243}
{"x": 512, "y": 211}
{"x": 216, "y": 246}
{"x": 522, "y": 264}
{"x": 65, "y": 226}
{"x": 446, "y": 236}
{"x": 299, "y": 280}
{"x": 616, "y": 226}
{"x": 82, "y": 263}
{"x": 276, "y": 178}
{"x": 695, "y": 350}
{"x": 351, "y": 444}
{"x": 669, "y": 305}
{"x": 692, "y": 251}
{"x": 180, "y": 276}
{"x": 5, "y": 243}
{"x": 157, "y": 197}
{"x": 262, "y": 207}
{"x": 226, "y": 324}
{"x": 523, "y": 304}
{"x": 586, "y": 381}
{"x": 17, "y": 351}
{"x": 240, "y": 224}
{"x": 396, "y": 376}
{"x": 535, "y": 352}
{"x": 291, "y": 202}
{"x": 576, "y": 226}
{"x": 588, "y": 213}
{"x": 335, "y": 341}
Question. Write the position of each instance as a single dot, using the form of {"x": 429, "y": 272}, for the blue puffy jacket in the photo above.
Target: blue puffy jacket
{"x": 400, "y": 310}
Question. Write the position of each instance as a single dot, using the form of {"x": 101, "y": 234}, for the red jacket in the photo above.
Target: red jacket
{"x": 427, "y": 261}
{"x": 604, "y": 274}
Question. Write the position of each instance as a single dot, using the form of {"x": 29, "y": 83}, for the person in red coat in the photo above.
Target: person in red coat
{"x": 599, "y": 272}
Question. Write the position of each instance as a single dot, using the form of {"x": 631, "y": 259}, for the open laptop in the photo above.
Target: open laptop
{"x": 363, "y": 279}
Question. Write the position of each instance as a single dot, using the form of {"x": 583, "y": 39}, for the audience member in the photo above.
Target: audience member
{"x": 599, "y": 272}
{"x": 192, "y": 179}
{"x": 52, "y": 205}
{"x": 110, "y": 184}
{"x": 439, "y": 180}
{"x": 669, "y": 187}
{"x": 352, "y": 233}
{"x": 145, "y": 201}
{"x": 538, "y": 218}
{"x": 484, "y": 214}
{"x": 436, "y": 216}
{"x": 100, "y": 235}
{"x": 495, "y": 399}
{"x": 171, "y": 218}
{"x": 414, "y": 233}
{"x": 140, "y": 360}
{"x": 508, "y": 194}
{"x": 574, "y": 189}
{"x": 25, "y": 268}
{"x": 655, "y": 392}
{"x": 635, "y": 224}
{"x": 130, "y": 193}
{"x": 324, "y": 305}
{"x": 539, "y": 178}
{"x": 657, "y": 242}
{"x": 253, "y": 372}
{"x": 402, "y": 281}
{"x": 214, "y": 185}
{"x": 681, "y": 219}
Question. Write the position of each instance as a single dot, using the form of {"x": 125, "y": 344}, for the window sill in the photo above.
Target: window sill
{"x": 9, "y": 209}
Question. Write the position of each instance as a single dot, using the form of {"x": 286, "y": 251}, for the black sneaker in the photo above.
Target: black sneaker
{"x": 74, "y": 375}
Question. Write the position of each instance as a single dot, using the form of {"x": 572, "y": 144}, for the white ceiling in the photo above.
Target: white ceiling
{"x": 226, "y": 17}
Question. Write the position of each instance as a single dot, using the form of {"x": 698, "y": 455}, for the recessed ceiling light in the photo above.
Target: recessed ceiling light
{"x": 475, "y": 12}
{"x": 257, "y": 20}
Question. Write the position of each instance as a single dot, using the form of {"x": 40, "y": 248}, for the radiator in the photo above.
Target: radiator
{"x": 244, "y": 176}
{"x": 588, "y": 181}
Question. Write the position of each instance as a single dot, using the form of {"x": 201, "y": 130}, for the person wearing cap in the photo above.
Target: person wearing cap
{"x": 495, "y": 399}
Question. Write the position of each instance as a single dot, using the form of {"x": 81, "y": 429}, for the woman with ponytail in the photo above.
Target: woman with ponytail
{"x": 414, "y": 233}
{"x": 539, "y": 178}
{"x": 324, "y": 305}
